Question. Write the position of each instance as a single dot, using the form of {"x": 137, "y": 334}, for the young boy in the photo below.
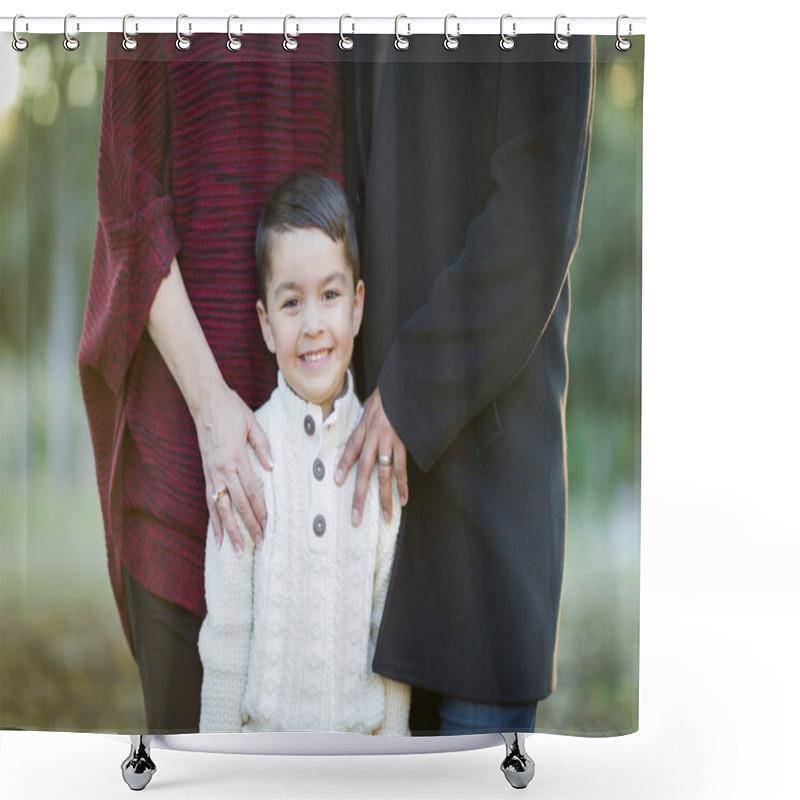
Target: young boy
{"x": 289, "y": 637}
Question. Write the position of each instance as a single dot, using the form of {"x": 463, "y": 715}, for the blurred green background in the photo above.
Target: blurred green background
{"x": 64, "y": 663}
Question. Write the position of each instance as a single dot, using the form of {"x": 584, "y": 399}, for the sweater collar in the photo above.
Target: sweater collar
{"x": 296, "y": 410}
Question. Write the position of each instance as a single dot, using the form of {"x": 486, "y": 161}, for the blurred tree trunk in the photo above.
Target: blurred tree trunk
{"x": 61, "y": 344}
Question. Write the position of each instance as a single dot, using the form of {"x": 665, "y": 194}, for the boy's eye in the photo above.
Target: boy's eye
{"x": 291, "y": 302}
{"x": 331, "y": 294}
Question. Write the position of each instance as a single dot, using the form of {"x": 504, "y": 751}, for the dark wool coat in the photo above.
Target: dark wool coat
{"x": 466, "y": 170}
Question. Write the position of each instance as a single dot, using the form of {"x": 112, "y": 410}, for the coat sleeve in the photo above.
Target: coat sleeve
{"x": 136, "y": 239}
{"x": 488, "y": 309}
{"x": 397, "y": 696}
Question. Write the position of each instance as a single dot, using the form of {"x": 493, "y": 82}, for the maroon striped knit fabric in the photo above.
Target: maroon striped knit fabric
{"x": 191, "y": 143}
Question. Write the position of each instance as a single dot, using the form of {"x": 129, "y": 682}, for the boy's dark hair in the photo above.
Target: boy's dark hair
{"x": 305, "y": 200}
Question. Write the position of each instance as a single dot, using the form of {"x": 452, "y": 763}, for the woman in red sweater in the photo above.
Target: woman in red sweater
{"x": 171, "y": 360}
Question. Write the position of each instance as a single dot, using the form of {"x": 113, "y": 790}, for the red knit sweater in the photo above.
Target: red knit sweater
{"x": 190, "y": 144}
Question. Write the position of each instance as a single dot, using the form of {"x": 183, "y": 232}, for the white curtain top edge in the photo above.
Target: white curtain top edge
{"x": 567, "y": 26}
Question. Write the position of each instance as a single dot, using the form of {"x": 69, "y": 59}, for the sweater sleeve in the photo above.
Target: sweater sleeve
{"x": 227, "y": 630}
{"x": 488, "y": 309}
{"x": 397, "y": 696}
{"x": 136, "y": 238}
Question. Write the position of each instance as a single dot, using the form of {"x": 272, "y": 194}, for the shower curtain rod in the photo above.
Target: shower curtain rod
{"x": 564, "y": 25}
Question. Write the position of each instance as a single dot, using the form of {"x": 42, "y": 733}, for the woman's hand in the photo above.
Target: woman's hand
{"x": 224, "y": 422}
{"x": 225, "y": 426}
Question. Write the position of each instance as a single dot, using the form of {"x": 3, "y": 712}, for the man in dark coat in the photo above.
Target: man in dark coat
{"x": 466, "y": 170}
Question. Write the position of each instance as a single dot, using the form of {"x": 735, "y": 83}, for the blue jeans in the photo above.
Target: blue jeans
{"x": 467, "y": 716}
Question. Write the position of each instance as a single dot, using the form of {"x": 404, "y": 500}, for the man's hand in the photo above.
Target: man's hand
{"x": 374, "y": 437}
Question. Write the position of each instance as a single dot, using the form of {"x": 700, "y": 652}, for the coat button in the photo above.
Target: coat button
{"x": 319, "y": 469}
{"x": 319, "y": 525}
{"x": 308, "y": 425}
{"x": 361, "y": 194}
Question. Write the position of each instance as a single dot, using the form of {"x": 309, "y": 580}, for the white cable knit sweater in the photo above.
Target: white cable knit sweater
{"x": 288, "y": 640}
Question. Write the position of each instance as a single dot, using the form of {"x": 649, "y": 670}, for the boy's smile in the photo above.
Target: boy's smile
{"x": 313, "y": 313}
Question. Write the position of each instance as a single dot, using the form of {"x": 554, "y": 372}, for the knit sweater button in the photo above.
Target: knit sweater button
{"x": 319, "y": 525}
{"x": 308, "y": 425}
{"x": 319, "y": 469}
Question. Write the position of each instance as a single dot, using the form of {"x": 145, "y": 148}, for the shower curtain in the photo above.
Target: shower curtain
{"x": 495, "y": 199}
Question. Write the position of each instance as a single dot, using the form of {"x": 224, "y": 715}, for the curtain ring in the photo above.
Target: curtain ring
{"x": 561, "y": 42}
{"x": 18, "y": 43}
{"x": 181, "y": 42}
{"x": 128, "y": 42}
{"x": 346, "y": 42}
{"x": 507, "y": 42}
{"x": 623, "y": 44}
{"x": 70, "y": 42}
{"x": 234, "y": 43}
{"x": 400, "y": 42}
{"x": 451, "y": 42}
{"x": 289, "y": 43}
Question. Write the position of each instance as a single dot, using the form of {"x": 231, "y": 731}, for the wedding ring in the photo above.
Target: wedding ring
{"x": 384, "y": 461}
{"x": 220, "y": 494}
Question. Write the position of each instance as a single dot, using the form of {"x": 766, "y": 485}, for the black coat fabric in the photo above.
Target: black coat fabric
{"x": 466, "y": 171}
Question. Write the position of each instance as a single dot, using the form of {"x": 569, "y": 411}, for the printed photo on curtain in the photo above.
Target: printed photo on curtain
{"x": 320, "y": 385}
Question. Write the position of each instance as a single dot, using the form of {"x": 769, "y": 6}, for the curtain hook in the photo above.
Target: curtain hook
{"x": 289, "y": 43}
{"x": 623, "y": 44}
{"x": 401, "y": 42}
{"x": 18, "y": 43}
{"x": 181, "y": 42}
{"x": 561, "y": 42}
{"x": 70, "y": 42}
{"x": 346, "y": 42}
{"x": 234, "y": 43}
{"x": 451, "y": 42}
{"x": 128, "y": 42}
{"x": 507, "y": 42}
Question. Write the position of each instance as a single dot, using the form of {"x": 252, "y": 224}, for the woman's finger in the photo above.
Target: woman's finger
{"x": 260, "y": 443}
{"x": 224, "y": 507}
{"x": 213, "y": 514}
{"x": 216, "y": 523}
{"x": 250, "y": 503}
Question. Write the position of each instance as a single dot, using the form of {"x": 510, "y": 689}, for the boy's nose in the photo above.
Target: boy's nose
{"x": 312, "y": 321}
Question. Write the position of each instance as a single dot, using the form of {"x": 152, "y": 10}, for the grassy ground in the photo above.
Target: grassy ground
{"x": 64, "y": 662}
{"x": 65, "y": 665}
{"x": 67, "y": 669}
{"x": 598, "y": 649}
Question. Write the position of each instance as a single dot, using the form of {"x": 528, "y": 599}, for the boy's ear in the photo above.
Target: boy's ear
{"x": 358, "y": 307}
{"x": 266, "y": 328}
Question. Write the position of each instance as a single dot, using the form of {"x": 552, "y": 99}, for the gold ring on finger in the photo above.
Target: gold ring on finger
{"x": 385, "y": 461}
{"x": 220, "y": 494}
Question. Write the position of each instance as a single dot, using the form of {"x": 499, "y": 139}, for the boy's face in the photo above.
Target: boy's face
{"x": 313, "y": 313}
